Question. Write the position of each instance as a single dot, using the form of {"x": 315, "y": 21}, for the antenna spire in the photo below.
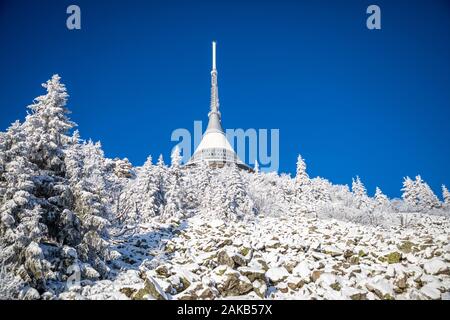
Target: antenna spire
{"x": 214, "y": 55}
{"x": 214, "y": 113}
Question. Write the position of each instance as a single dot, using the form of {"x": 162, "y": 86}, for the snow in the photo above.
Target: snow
{"x": 430, "y": 292}
{"x": 276, "y": 275}
{"x": 302, "y": 270}
{"x": 435, "y": 266}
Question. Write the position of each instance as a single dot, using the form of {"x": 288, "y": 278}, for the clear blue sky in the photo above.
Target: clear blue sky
{"x": 351, "y": 101}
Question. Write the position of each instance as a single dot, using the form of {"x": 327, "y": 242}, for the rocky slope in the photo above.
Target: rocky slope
{"x": 277, "y": 258}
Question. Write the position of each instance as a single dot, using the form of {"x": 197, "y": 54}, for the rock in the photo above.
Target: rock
{"x": 276, "y": 275}
{"x": 252, "y": 274}
{"x": 232, "y": 283}
{"x": 401, "y": 283}
{"x": 332, "y": 251}
{"x": 247, "y": 252}
{"x": 224, "y": 242}
{"x": 187, "y": 296}
{"x": 152, "y": 288}
{"x": 177, "y": 283}
{"x": 315, "y": 275}
{"x": 382, "y": 288}
{"x": 435, "y": 266}
{"x": 393, "y": 257}
{"x": 260, "y": 288}
{"x": 239, "y": 259}
{"x": 163, "y": 271}
{"x": 353, "y": 293}
{"x": 88, "y": 272}
{"x": 128, "y": 291}
{"x": 220, "y": 270}
{"x": 302, "y": 270}
{"x": 170, "y": 247}
{"x": 258, "y": 263}
{"x": 406, "y": 246}
{"x": 411, "y": 258}
{"x": 294, "y": 282}
{"x": 67, "y": 295}
{"x": 282, "y": 287}
{"x": 329, "y": 280}
{"x": 30, "y": 294}
{"x": 272, "y": 244}
{"x": 225, "y": 257}
{"x": 348, "y": 254}
{"x": 354, "y": 260}
{"x": 47, "y": 296}
{"x": 69, "y": 252}
{"x": 290, "y": 265}
{"x": 430, "y": 292}
{"x": 208, "y": 293}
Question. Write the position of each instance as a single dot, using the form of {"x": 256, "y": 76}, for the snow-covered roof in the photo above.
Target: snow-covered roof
{"x": 214, "y": 139}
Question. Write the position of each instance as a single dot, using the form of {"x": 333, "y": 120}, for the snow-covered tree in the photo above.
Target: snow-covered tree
{"x": 160, "y": 162}
{"x": 123, "y": 168}
{"x": 90, "y": 214}
{"x": 39, "y": 221}
{"x": 303, "y": 192}
{"x": 359, "y": 191}
{"x": 410, "y": 195}
{"x": 446, "y": 195}
{"x": 428, "y": 200}
{"x": 174, "y": 204}
{"x": 320, "y": 190}
{"x": 380, "y": 198}
{"x": 47, "y": 125}
{"x": 301, "y": 176}
{"x": 418, "y": 195}
{"x": 256, "y": 167}
{"x": 143, "y": 196}
{"x": 237, "y": 202}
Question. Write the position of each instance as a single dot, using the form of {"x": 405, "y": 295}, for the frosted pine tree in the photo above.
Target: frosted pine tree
{"x": 445, "y": 195}
{"x": 90, "y": 214}
{"x": 39, "y": 225}
{"x": 160, "y": 162}
{"x": 174, "y": 206}
{"x": 36, "y": 190}
{"x": 302, "y": 185}
{"x": 381, "y": 199}
{"x": 427, "y": 199}
{"x": 196, "y": 179}
{"x": 143, "y": 197}
{"x": 362, "y": 201}
{"x": 47, "y": 125}
{"x": 256, "y": 167}
{"x": 409, "y": 193}
{"x": 418, "y": 195}
{"x": 320, "y": 190}
{"x": 123, "y": 168}
{"x": 237, "y": 202}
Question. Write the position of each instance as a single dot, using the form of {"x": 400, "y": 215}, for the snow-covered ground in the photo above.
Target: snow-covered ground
{"x": 277, "y": 258}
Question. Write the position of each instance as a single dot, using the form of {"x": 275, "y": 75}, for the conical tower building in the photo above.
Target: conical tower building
{"x": 214, "y": 147}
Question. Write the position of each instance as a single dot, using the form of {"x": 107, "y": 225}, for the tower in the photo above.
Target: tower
{"x": 214, "y": 147}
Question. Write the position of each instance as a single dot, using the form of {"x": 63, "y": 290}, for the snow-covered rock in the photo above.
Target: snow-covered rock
{"x": 430, "y": 291}
{"x": 381, "y": 287}
{"x": 276, "y": 275}
{"x": 436, "y": 266}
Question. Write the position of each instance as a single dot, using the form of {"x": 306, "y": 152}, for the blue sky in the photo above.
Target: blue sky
{"x": 350, "y": 100}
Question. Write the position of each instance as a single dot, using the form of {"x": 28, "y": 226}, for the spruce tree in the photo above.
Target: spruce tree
{"x": 445, "y": 195}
